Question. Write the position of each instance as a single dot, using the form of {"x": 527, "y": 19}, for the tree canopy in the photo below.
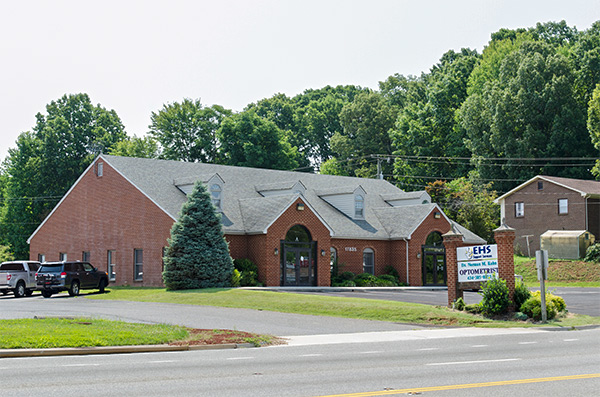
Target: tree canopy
{"x": 48, "y": 160}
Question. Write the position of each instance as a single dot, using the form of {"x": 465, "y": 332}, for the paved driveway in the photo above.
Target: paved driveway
{"x": 250, "y": 320}
{"x": 578, "y": 300}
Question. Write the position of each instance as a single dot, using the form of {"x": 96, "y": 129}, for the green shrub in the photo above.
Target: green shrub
{"x": 533, "y": 306}
{"x": 474, "y": 308}
{"x": 248, "y": 272}
{"x": 346, "y": 283}
{"x": 459, "y": 304}
{"x": 347, "y": 276}
{"x": 365, "y": 280}
{"x": 245, "y": 265}
{"x": 235, "y": 278}
{"x": 522, "y": 293}
{"x": 521, "y": 316}
{"x": 593, "y": 253}
{"x": 387, "y": 280}
{"x": 495, "y": 297}
{"x": 389, "y": 269}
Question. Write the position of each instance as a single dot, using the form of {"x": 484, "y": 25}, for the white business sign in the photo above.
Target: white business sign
{"x": 477, "y": 263}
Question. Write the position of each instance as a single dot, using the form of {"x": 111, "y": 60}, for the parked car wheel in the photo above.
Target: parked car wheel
{"x": 74, "y": 289}
{"x": 102, "y": 286}
{"x": 20, "y": 290}
{"x": 46, "y": 294}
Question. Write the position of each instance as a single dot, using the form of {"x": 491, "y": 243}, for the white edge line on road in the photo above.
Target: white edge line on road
{"x": 476, "y": 362}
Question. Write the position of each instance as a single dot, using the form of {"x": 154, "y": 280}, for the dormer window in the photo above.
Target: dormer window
{"x": 215, "y": 195}
{"x": 359, "y": 206}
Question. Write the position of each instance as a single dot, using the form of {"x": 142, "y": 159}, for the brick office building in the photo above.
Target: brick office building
{"x": 119, "y": 214}
{"x": 550, "y": 203}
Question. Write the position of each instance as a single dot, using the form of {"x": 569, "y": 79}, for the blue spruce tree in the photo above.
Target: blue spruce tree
{"x": 197, "y": 255}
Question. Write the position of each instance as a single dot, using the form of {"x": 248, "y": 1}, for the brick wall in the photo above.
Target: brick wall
{"x": 541, "y": 213}
{"x": 107, "y": 213}
{"x": 271, "y": 263}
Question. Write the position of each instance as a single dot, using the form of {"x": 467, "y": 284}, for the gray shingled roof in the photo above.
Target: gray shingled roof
{"x": 245, "y": 210}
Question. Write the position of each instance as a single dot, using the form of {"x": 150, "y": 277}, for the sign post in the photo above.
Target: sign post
{"x": 541, "y": 263}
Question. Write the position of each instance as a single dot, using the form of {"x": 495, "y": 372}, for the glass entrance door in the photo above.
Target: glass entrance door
{"x": 434, "y": 267}
{"x": 299, "y": 269}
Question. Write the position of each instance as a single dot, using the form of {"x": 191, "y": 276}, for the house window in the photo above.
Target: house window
{"x": 332, "y": 257}
{"x": 519, "y": 210}
{"x": 368, "y": 261}
{"x": 540, "y": 185}
{"x": 563, "y": 206}
{"x": 85, "y": 256}
{"x": 112, "y": 275}
{"x": 99, "y": 169}
{"x": 164, "y": 253}
{"x": 62, "y": 256}
{"x": 359, "y": 206}
{"x": 138, "y": 259}
{"x": 41, "y": 258}
{"x": 215, "y": 195}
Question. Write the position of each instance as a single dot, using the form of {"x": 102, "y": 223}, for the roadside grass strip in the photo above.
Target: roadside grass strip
{"x": 43, "y": 333}
{"x": 357, "y": 308}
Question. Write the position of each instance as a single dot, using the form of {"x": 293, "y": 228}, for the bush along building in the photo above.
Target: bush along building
{"x": 294, "y": 226}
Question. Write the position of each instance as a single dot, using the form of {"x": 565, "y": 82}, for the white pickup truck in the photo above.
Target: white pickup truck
{"x": 18, "y": 277}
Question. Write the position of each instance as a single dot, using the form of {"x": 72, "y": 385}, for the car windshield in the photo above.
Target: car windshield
{"x": 50, "y": 268}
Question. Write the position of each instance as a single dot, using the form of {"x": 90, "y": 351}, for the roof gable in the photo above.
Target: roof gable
{"x": 584, "y": 187}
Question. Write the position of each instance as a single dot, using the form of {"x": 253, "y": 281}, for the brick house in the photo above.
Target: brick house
{"x": 119, "y": 214}
{"x": 550, "y": 203}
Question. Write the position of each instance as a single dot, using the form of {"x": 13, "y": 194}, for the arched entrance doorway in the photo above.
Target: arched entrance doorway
{"x": 298, "y": 258}
{"x": 434, "y": 260}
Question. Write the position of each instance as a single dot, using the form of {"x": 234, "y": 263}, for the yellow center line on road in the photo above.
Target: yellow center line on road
{"x": 465, "y": 386}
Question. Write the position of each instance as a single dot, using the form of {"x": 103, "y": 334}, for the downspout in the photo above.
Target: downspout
{"x": 586, "y": 214}
{"x": 407, "y": 279}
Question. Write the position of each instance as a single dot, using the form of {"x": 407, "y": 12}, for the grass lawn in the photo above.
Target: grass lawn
{"x": 561, "y": 273}
{"x": 368, "y": 309}
{"x": 42, "y": 333}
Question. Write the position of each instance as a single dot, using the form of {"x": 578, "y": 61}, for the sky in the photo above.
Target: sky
{"x": 135, "y": 56}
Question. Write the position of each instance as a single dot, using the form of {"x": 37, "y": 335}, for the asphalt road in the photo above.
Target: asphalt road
{"x": 498, "y": 362}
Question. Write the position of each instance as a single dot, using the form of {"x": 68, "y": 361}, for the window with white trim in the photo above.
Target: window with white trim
{"x": 99, "y": 169}
{"x": 215, "y": 195}
{"x": 359, "y": 206}
{"x": 138, "y": 264}
{"x": 563, "y": 206}
{"x": 62, "y": 256}
{"x": 519, "y": 210}
{"x": 112, "y": 274}
{"x": 368, "y": 261}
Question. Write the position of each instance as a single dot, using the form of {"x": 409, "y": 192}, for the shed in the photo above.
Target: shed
{"x": 566, "y": 244}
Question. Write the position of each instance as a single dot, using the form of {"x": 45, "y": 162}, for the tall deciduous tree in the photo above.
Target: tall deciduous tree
{"x": 248, "y": 140}
{"x": 197, "y": 255}
{"x": 530, "y": 111}
{"x": 188, "y": 131}
{"x": 49, "y": 159}
{"x": 593, "y": 124}
{"x": 144, "y": 147}
{"x": 366, "y": 122}
{"x": 427, "y": 127}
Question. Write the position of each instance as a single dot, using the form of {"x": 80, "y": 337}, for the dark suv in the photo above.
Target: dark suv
{"x": 53, "y": 277}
